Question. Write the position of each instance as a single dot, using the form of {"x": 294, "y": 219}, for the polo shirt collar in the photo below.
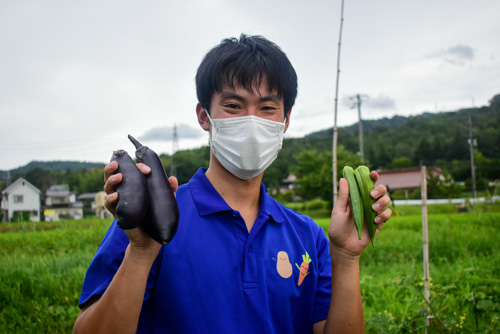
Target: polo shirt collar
{"x": 209, "y": 201}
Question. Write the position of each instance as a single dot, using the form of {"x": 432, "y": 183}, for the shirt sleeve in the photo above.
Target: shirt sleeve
{"x": 106, "y": 262}
{"x": 323, "y": 292}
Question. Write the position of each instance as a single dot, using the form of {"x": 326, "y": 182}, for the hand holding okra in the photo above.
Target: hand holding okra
{"x": 342, "y": 230}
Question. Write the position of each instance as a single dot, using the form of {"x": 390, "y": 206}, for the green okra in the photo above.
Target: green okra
{"x": 356, "y": 202}
{"x": 366, "y": 185}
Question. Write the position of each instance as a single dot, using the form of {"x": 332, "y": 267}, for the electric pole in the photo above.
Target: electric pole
{"x": 357, "y": 104}
{"x": 472, "y": 142}
{"x": 175, "y": 148}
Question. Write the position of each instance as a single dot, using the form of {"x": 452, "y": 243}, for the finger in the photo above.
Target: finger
{"x": 110, "y": 202}
{"x": 378, "y": 192}
{"x": 145, "y": 169}
{"x": 383, "y": 216}
{"x": 113, "y": 180}
{"x": 343, "y": 197}
{"x": 111, "y": 198}
{"x": 374, "y": 176}
{"x": 174, "y": 183}
{"x": 109, "y": 169}
{"x": 381, "y": 203}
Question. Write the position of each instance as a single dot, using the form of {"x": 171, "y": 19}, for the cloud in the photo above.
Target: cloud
{"x": 455, "y": 55}
{"x": 166, "y": 133}
{"x": 380, "y": 102}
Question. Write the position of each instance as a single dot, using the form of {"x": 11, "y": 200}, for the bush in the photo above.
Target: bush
{"x": 316, "y": 204}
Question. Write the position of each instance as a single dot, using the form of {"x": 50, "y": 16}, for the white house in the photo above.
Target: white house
{"x": 21, "y": 196}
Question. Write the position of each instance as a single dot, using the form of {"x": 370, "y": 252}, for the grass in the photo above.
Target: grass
{"x": 43, "y": 266}
{"x": 464, "y": 269}
{"x": 41, "y": 273}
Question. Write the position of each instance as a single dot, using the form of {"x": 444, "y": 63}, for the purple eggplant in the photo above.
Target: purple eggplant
{"x": 133, "y": 199}
{"x": 163, "y": 217}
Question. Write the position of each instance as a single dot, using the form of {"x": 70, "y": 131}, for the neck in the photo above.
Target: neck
{"x": 241, "y": 195}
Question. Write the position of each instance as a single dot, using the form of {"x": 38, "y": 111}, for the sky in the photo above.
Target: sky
{"x": 76, "y": 77}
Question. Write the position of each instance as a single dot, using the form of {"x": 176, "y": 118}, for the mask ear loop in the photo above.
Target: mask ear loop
{"x": 213, "y": 128}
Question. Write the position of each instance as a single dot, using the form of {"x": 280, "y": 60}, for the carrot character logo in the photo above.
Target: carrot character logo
{"x": 304, "y": 268}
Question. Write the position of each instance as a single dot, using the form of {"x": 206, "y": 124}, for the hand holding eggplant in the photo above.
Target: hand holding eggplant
{"x": 163, "y": 218}
{"x": 133, "y": 204}
{"x": 144, "y": 199}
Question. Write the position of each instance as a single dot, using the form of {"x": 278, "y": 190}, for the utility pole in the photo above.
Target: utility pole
{"x": 361, "y": 146}
{"x": 472, "y": 142}
{"x": 175, "y": 148}
{"x": 335, "y": 130}
{"x": 357, "y": 104}
{"x": 7, "y": 179}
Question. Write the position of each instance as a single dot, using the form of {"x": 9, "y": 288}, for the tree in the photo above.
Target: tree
{"x": 458, "y": 149}
{"x": 423, "y": 153}
{"x": 495, "y": 103}
{"x": 314, "y": 172}
{"x": 438, "y": 151}
{"x": 403, "y": 162}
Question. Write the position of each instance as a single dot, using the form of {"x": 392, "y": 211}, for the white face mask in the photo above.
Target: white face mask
{"x": 246, "y": 145}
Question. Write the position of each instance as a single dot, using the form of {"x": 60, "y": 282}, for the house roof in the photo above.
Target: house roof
{"x": 59, "y": 190}
{"x": 86, "y": 196}
{"x": 20, "y": 182}
{"x": 405, "y": 178}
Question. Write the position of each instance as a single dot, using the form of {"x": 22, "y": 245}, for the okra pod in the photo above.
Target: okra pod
{"x": 366, "y": 185}
{"x": 356, "y": 204}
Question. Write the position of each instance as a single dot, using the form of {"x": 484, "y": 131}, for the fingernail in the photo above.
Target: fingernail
{"x": 146, "y": 169}
{"x": 378, "y": 219}
{"x": 374, "y": 193}
{"x": 376, "y": 206}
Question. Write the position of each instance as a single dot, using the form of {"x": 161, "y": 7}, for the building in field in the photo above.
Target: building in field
{"x": 61, "y": 203}
{"x": 405, "y": 179}
{"x": 20, "y": 200}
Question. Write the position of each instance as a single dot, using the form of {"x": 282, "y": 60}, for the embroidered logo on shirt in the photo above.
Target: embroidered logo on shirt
{"x": 304, "y": 268}
{"x": 283, "y": 265}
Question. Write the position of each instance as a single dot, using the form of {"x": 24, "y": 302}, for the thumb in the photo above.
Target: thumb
{"x": 174, "y": 183}
{"x": 343, "y": 197}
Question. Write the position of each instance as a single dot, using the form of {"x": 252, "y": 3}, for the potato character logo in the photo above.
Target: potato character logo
{"x": 283, "y": 265}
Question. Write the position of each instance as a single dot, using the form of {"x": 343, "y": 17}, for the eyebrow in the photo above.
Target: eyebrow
{"x": 231, "y": 95}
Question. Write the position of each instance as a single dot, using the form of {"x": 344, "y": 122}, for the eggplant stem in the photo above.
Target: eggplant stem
{"x": 135, "y": 142}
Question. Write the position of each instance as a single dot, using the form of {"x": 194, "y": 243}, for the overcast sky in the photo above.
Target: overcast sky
{"x": 77, "y": 76}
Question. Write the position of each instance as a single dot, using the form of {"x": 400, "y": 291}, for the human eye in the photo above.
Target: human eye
{"x": 231, "y": 106}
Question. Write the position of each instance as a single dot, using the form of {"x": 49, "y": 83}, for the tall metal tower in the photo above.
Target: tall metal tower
{"x": 175, "y": 148}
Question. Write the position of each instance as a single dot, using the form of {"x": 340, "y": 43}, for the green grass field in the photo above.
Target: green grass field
{"x": 42, "y": 266}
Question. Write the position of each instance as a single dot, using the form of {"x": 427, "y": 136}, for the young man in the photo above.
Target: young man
{"x": 240, "y": 262}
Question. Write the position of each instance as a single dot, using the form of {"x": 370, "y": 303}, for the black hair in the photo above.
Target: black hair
{"x": 245, "y": 63}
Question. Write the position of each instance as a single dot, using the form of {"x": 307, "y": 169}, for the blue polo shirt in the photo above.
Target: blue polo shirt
{"x": 216, "y": 277}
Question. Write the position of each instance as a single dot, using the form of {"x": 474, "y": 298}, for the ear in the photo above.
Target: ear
{"x": 202, "y": 117}
{"x": 287, "y": 121}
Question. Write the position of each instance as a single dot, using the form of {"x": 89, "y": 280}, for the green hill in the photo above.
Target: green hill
{"x": 439, "y": 139}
